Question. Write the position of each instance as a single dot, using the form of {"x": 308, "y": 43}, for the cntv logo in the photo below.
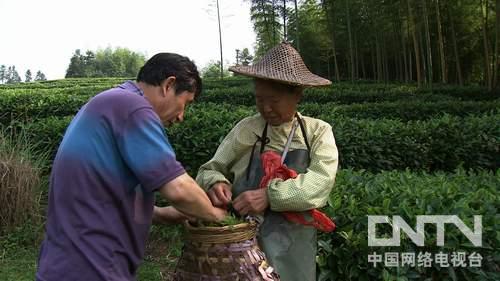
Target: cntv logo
{"x": 417, "y": 236}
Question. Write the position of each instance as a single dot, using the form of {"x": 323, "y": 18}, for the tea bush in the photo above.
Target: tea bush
{"x": 443, "y": 143}
{"x": 385, "y": 128}
{"x": 343, "y": 255}
{"x": 30, "y": 105}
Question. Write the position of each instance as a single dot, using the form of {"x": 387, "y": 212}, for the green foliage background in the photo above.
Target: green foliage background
{"x": 403, "y": 151}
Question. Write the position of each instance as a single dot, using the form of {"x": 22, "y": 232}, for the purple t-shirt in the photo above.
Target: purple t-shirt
{"x": 113, "y": 156}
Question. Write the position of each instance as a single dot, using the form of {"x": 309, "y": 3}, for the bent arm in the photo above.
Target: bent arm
{"x": 187, "y": 197}
{"x": 311, "y": 189}
{"x": 168, "y": 215}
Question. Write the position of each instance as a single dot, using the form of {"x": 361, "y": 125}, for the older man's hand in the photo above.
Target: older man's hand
{"x": 251, "y": 202}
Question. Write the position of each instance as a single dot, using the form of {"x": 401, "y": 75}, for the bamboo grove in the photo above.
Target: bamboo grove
{"x": 422, "y": 41}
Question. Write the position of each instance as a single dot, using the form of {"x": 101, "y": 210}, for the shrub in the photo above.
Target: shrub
{"x": 439, "y": 144}
{"x": 401, "y": 110}
{"x": 343, "y": 255}
{"x": 31, "y": 104}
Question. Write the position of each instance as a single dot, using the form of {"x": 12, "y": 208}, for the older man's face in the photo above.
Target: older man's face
{"x": 275, "y": 102}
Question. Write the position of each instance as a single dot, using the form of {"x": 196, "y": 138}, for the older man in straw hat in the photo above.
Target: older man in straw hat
{"x": 305, "y": 144}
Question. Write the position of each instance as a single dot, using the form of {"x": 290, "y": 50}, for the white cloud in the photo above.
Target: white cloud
{"x": 42, "y": 35}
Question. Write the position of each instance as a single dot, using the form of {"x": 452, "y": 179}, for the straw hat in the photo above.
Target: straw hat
{"x": 282, "y": 64}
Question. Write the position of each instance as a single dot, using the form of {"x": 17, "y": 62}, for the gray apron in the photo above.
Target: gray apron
{"x": 289, "y": 247}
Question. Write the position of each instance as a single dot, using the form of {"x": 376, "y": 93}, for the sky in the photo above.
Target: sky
{"x": 43, "y": 34}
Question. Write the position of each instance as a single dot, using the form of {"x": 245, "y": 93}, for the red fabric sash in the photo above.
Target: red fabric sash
{"x": 271, "y": 163}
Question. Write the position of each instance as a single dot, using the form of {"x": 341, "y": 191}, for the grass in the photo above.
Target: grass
{"x": 23, "y": 268}
{"x": 23, "y": 197}
{"x": 18, "y": 266}
{"x": 19, "y": 252}
{"x": 20, "y": 180}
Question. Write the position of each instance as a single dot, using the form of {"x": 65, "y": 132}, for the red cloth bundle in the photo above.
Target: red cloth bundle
{"x": 271, "y": 163}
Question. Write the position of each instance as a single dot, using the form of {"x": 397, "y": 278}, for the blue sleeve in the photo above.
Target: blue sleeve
{"x": 146, "y": 150}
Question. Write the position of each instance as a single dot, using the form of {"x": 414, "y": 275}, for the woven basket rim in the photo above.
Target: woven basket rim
{"x": 239, "y": 226}
{"x": 221, "y": 234}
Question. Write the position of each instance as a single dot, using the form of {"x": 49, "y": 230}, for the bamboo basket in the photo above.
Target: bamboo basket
{"x": 226, "y": 253}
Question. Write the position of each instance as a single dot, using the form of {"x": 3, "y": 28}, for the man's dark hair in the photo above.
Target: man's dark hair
{"x": 163, "y": 65}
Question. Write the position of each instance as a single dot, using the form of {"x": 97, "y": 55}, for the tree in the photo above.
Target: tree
{"x": 330, "y": 18}
{"x": 16, "y": 78}
{"x": 404, "y": 54}
{"x": 458, "y": 65}
{"x": 245, "y": 57}
{"x": 404, "y": 40}
{"x": 428, "y": 44}
{"x": 12, "y": 75}
{"x": 3, "y": 74}
{"x": 496, "y": 54}
{"x": 349, "y": 31}
{"x": 266, "y": 25}
{"x": 444, "y": 75}
{"x": 27, "y": 76}
{"x": 212, "y": 71}
{"x": 76, "y": 66}
{"x": 314, "y": 30}
{"x": 297, "y": 43}
{"x": 107, "y": 64}
{"x": 89, "y": 68}
{"x": 119, "y": 62}
{"x": 415, "y": 43}
{"x": 284, "y": 12}
{"x": 8, "y": 75}
{"x": 40, "y": 76}
{"x": 487, "y": 69}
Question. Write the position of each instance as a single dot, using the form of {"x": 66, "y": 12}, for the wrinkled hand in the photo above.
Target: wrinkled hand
{"x": 251, "y": 202}
{"x": 220, "y": 194}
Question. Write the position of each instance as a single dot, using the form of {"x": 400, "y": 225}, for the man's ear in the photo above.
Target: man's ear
{"x": 168, "y": 83}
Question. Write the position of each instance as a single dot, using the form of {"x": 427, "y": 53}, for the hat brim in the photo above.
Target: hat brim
{"x": 309, "y": 80}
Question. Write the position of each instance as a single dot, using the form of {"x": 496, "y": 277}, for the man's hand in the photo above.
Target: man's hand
{"x": 220, "y": 214}
{"x": 220, "y": 194}
{"x": 251, "y": 202}
{"x": 168, "y": 215}
{"x": 187, "y": 197}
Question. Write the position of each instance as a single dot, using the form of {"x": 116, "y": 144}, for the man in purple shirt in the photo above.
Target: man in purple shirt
{"x": 113, "y": 157}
